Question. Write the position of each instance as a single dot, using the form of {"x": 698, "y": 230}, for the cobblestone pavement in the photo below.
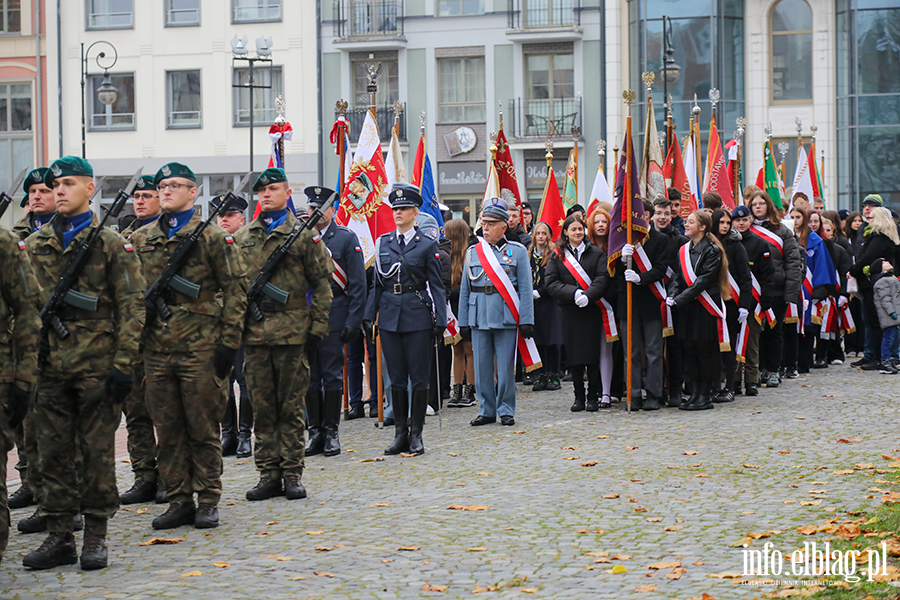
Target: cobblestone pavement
{"x": 686, "y": 487}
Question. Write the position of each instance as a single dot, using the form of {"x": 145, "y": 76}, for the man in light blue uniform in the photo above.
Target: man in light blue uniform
{"x": 485, "y": 317}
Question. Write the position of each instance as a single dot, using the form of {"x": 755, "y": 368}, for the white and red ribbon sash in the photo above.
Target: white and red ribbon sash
{"x": 793, "y": 313}
{"x": 451, "y": 333}
{"x": 770, "y": 237}
{"x": 735, "y": 289}
{"x": 847, "y": 324}
{"x": 757, "y": 295}
{"x": 339, "y": 275}
{"x": 584, "y": 281}
{"x": 706, "y": 300}
{"x": 808, "y": 284}
{"x": 500, "y": 280}
{"x": 658, "y": 289}
{"x": 830, "y": 318}
{"x": 744, "y": 333}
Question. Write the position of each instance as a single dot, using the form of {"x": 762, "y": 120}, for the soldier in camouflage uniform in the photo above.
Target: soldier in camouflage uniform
{"x": 277, "y": 349}
{"x": 141, "y": 440}
{"x": 29, "y": 470}
{"x": 87, "y": 374}
{"x": 19, "y": 326}
{"x": 187, "y": 359}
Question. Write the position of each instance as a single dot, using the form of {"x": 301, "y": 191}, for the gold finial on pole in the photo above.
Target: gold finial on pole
{"x": 398, "y": 108}
{"x": 373, "y": 72}
{"x": 341, "y": 107}
{"x": 601, "y": 152}
{"x": 813, "y": 129}
{"x": 576, "y": 132}
{"x": 279, "y": 111}
{"x": 500, "y": 102}
{"x": 648, "y": 78}
{"x": 548, "y": 145}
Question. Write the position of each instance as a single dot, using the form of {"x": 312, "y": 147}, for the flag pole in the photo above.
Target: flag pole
{"x": 341, "y": 107}
{"x": 647, "y": 78}
{"x": 601, "y": 152}
{"x": 670, "y": 126}
{"x": 738, "y": 192}
{"x": 628, "y": 96}
{"x": 695, "y": 132}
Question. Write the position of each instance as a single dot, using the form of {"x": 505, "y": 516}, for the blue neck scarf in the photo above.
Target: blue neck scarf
{"x": 40, "y": 220}
{"x": 74, "y": 225}
{"x": 150, "y": 220}
{"x": 178, "y": 220}
{"x": 275, "y": 218}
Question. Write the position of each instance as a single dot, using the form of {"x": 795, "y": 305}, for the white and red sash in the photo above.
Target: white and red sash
{"x": 815, "y": 315}
{"x": 830, "y": 319}
{"x": 584, "y": 281}
{"x": 500, "y": 280}
{"x": 687, "y": 270}
{"x": 744, "y": 334}
{"x": 339, "y": 275}
{"x": 847, "y": 324}
{"x": 451, "y": 333}
{"x": 768, "y": 236}
{"x": 758, "y": 312}
{"x": 658, "y": 289}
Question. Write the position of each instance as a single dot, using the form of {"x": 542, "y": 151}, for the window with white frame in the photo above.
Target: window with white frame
{"x": 183, "y": 99}
{"x": 110, "y": 14}
{"x": 119, "y": 114}
{"x": 11, "y": 15}
{"x": 263, "y": 98}
{"x": 461, "y": 86}
{"x": 182, "y": 13}
{"x": 456, "y": 8}
{"x": 255, "y": 11}
{"x": 16, "y": 134}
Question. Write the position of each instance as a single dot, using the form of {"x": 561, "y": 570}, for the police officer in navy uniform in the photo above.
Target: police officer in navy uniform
{"x": 348, "y": 284}
{"x": 407, "y": 267}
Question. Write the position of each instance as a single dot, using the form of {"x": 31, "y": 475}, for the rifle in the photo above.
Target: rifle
{"x": 63, "y": 294}
{"x": 6, "y": 197}
{"x": 262, "y": 285}
{"x": 168, "y": 279}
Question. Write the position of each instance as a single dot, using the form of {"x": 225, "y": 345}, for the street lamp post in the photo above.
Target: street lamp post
{"x": 264, "y": 55}
{"x": 670, "y": 69}
{"x": 106, "y": 93}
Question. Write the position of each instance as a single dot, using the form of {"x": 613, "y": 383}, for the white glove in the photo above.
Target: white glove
{"x": 631, "y": 276}
{"x": 581, "y": 300}
{"x": 742, "y": 315}
{"x": 536, "y": 294}
{"x": 842, "y": 300}
{"x": 627, "y": 250}
{"x": 670, "y": 301}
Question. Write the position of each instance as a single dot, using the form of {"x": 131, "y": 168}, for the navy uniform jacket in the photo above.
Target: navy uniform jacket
{"x": 406, "y": 312}
{"x": 489, "y": 311}
{"x": 349, "y": 304}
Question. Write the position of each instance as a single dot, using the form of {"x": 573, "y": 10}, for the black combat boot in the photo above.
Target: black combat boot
{"x": 178, "y": 514}
{"x": 229, "y": 428}
{"x": 593, "y": 401}
{"x": 207, "y": 516}
{"x": 578, "y": 406}
{"x": 357, "y": 411}
{"x": 58, "y": 549}
{"x": 695, "y": 395}
{"x": 266, "y": 488}
{"x": 22, "y": 497}
{"x": 141, "y": 491}
{"x": 400, "y": 401}
{"x": 314, "y": 410}
{"x": 417, "y": 421}
{"x": 704, "y": 399}
{"x": 245, "y": 419}
{"x": 455, "y": 396}
{"x": 33, "y": 524}
{"x": 293, "y": 489}
{"x": 160, "y": 490}
{"x": 331, "y": 418}
{"x": 94, "y": 554}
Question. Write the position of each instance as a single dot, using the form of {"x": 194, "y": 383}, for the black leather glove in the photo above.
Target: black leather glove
{"x": 223, "y": 360}
{"x": 312, "y": 344}
{"x": 465, "y": 333}
{"x": 349, "y": 334}
{"x": 17, "y": 405}
{"x": 369, "y": 330}
{"x": 438, "y": 332}
{"x": 118, "y": 385}
{"x": 527, "y": 331}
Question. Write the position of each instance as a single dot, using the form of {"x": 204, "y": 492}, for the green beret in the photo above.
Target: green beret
{"x": 174, "y": 169}
{"x": 35, "y": 176}
{"x": 269, "y": 176}
{"x": 146, "y": 182}
{"x": 68, "y": 166}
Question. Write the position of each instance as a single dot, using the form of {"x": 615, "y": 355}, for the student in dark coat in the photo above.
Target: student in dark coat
{"x": 842, "y": 261}
{"x": 548, "y": 336}
{"x": 581, "y": 317}
{"x": 696, "y": 327}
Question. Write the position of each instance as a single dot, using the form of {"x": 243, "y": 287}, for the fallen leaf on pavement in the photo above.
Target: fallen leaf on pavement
{"x": 221, "y": 565}
{"x": 674, "y": 528}
{"x": 610, "y": 496}
{"x": 519, "y": 431}
{"x": 272, "y": 523}
{"x": 410, "y": 454}
{"x": 701, "y": 475}
{"x": 379, "y": 504}
{"x": 602, "y": 437}
{"x": 192, "y": 574}
{"x": 654, "y": 520}
{"x": 317, "y": 532}
{"x": 844, "y": 472}
{"x": 665, "y": 565}
{"x": 376, "y": 459}
{"x": 810, "y": 502}
{"x": 597, "y": 554}
{"x": 387, "y": 560}
{"x": 571, "y": 457}
{"x": 470, "y": 507}
{"x": 886, "y": 457}
{"x": 529, "y": 590}
{"x": 324, "y": 548}
{"x": 650, "y": 587}
{"x": 640, "y": 509}
{"x": 453, "y": 454}
{"x": 298, "y": 578}
{"x": 407, "y": 548}
{"x": 324, "y": 574}
{"x": 784, "y": 452}
{"x": 283, "y": 558}
{"x": 241, "y": 463}
{"x": 478, "y": 549}
{"x": 690, "y": 452}
{"x": 142, "y": 511}
{"x": 676, "y": 573}
{"x": 725, "y": 575}
{"x": 621, "y": 557}
{"x": 618, "y": 569}
{"x": 569, "y": 448}
{"x": 590, "y": 463}
{"x": 262, "y": 533}
{"x": 433, "y": 588}
{"x": 159, "y": 541}
{"x": 848, "y": 441}
{"x": 750, "y": 466}
{"x": 631, "y": 447}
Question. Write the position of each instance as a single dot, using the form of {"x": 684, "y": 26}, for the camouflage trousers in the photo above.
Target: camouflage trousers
{"x": 6, "y": 442}
{"x": 186, "y": 403}
{"x": 278, "y": 377}
{"x": 29, "y": 463}
{"x": 139, "y": 425}
{"x": 76, "y": 418}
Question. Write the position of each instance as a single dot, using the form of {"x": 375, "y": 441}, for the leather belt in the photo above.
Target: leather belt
{"x": 336, "y": 289}
{"x": 205, "y": 296}
{"x": 406, "y": 289}
{"x": 488, "y": 289}
{"x": 270, "y": 306}
{"x": 70, "y": 313}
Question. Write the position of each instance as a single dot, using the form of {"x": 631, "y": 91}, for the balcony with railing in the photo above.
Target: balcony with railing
{"x": 368, "y": 19}
{"x": 384, "y": 117}
{"x": 549, "y": 117}
{"x": 543, "y": 19}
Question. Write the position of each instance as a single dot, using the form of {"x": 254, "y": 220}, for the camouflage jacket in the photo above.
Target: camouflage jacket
{"x": 109, "y": 336}
{"x": 19, "y": 321}
{"x": 307, "y": 266}
{"x": 24, "y": 227}
{"x": 217, "y": 267}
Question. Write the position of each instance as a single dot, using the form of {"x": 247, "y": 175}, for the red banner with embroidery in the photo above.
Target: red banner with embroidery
{"x": 584, "y": 282}
{"x": 451, "y": 333}
{"x": 658, "y": 289}
{"x": 499, "y": 279}
{"x": 706, "y": 300}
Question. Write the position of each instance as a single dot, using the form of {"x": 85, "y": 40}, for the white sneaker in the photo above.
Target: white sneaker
{"x": 429, "y": 412}
{"x": 837, "y": 361}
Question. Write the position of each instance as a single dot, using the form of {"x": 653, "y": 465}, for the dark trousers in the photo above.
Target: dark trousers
{"x": 372, "y": 373}
{"x": 811, "y": 347}
{"x": 355, "y": 356}
{"x": 771, "y": 339}
{"x": 244, "y": 414}
{"x": 855, "y": 342}
{"x": 593, "y": 377}
{"x": 407, "y": 355}
{"x": 791, "y": 346}
{"x": 647, "y": 339}
{"x": 729, "y": 359}
{"x": 676, "y": 363}
{"x": 703, "y": 361}
{"x": 872, "y": 328}
{"x": 326, "y": 368}
{"x": 549, "y": 359}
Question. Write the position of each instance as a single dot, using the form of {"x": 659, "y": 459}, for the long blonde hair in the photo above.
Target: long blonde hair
{"x": 548, "y": 250}
{"x": 884, "y": 224}
{"x": 458, "y": 232}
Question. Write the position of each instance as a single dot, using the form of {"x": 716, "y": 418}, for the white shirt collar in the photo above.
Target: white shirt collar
{"x": 579, "y": 249}
{"x": 327, "y": 227}
{"x": 408, "y": 236}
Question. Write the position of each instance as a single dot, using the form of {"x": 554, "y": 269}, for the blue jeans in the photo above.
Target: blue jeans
{"x": 888, "y": 335}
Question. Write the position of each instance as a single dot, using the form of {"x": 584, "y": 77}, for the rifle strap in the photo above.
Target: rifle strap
{"x": 205, "y": 296}
{"x": 270, "y": 306}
